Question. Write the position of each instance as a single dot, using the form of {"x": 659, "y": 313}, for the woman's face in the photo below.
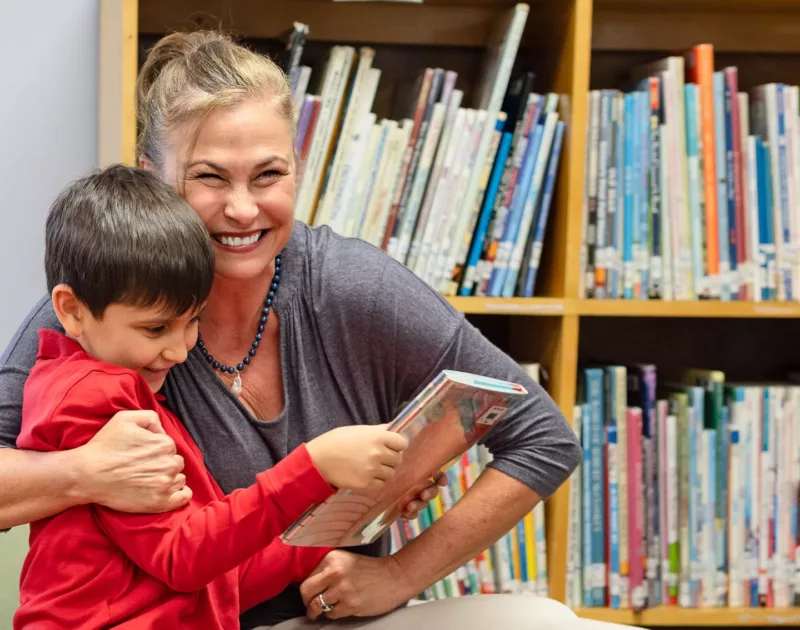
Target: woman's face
{"x": 240, "y": 178}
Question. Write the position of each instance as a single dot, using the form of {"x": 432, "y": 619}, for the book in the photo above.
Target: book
{"x": 450, "y": 415}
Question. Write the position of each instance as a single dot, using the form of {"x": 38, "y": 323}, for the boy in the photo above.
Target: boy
{"x": 129, "y": 266}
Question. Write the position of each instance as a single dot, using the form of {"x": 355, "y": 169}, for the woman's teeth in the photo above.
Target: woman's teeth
{"x": 236, "y": 241}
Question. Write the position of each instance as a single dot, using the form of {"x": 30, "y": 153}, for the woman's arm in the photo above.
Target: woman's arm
{"x": 363, "y": 586}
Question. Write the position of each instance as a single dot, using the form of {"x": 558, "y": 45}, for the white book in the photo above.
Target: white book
{"x": 349, "y": 179}
{"x": 784, "y": 545}
{"x": 458, "y": 212}
{"x": 574, "y": 595}
{"x": 391, "y": 181}
{"x": 349, "y": 175}
{"x": 667, "y": 291}
{"x": 442, "y": 152}
{"x": 672, "y": 73}
{"x": 672, "y": 502}
{"x": 377, "y": 201}
{"x": 764, "y": 108}
{"x": 541, "y": 550}
{"x": 368, "y": 180}
{"x": 398, "y": 248}
{"x": 737, "y": 593}
{"x": 443, "y": 189}
{"x": 794, "y": 175}
{"x": 334, "y": 82}
{"x": 363, "y": 180}
{"x": 359, "y": 102}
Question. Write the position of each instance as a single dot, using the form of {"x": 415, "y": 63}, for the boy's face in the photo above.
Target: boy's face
{"x": 142, "y": 339}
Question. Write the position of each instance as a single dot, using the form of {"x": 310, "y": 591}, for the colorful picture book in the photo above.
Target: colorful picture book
{"x": 444, "y": 421}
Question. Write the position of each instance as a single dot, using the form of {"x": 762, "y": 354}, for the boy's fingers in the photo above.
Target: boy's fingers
{"x": 395, "y": 441}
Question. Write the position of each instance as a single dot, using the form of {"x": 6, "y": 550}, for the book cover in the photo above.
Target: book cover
{"x": 446, "y": 419}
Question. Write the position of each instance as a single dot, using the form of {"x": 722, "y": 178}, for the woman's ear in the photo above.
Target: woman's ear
{"x": 71, "y": 312}
{"x": 146, "y": 164}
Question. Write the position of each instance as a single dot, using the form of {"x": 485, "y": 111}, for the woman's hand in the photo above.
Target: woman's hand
{"x": 428, "y": 494}
{"x": 355, "y": 585}
{"x": 131, "y": 465}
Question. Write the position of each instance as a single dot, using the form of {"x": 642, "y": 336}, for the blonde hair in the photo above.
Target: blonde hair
{"x": 186, "y": 76}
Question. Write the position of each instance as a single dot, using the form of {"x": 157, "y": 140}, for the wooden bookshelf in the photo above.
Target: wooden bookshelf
{"x": 700, "y": 308}
{"x": 697, "y": 617}
{"x": 572, "y": 45}
{"x": 510, "y": 306}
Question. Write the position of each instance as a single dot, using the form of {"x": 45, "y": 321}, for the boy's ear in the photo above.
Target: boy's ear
{"x": 71, "y": 312}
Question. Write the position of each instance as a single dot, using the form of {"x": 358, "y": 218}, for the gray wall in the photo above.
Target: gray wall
{"x": 48, "y": 137}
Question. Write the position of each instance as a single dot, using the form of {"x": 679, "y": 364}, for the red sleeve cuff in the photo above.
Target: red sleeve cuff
{"x": 297, "y": 477}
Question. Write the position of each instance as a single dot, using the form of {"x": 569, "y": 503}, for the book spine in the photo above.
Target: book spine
{"x": 638, "y": 593}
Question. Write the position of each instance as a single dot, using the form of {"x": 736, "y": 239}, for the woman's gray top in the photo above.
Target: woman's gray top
{"x": 360, "y": 335}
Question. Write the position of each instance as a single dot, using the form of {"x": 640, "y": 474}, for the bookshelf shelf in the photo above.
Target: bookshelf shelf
{"x": 696, "y": 617}
{"x": 658, "y": 308}
{"x": 510, "y": 306}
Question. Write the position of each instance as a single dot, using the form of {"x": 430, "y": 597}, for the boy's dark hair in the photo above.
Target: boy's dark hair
{"x": 121, "y": 235}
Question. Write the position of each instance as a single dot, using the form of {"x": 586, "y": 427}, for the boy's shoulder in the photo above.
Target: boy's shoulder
{"x": 67, "y": 382}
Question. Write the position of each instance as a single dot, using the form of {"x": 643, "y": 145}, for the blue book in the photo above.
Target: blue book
{"x": 722, "y": 501}
{"x": 709, "y": 583}
{"x": 594, "y": 396}
{"x": 766, "y": 233}
{"x": 628, "y": 211}
{"x": 468, "y": 284}
{"x": 643, "y": 129}
{"x": 636, "y": 217}
{"x": 616, "y": 275}
{"x": 723, "y": 140}
{"x": 695, "y": 186}
{"x": 520, "y": 196}
{"x": 538, "y": 230}
{"x": 696, "y": 402}
{"x": 783, "y": 175}
{"x": 586, "y": 485}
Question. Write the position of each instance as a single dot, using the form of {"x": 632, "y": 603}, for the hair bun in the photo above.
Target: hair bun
{"x": 173, "y": 46}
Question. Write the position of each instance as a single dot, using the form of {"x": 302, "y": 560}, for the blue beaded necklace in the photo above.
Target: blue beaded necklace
{"x": 236, "y": 387}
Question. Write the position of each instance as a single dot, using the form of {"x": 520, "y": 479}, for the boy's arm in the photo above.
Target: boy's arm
{"x": 188, "y": 548}
{"x": 271, "y": 570}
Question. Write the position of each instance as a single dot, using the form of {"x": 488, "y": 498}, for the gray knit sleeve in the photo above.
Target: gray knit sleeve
{"x": 399, "y": 333}
{"x": 15, "y": 365}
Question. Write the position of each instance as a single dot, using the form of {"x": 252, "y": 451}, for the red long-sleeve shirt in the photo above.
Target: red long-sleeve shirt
{"x": 196, "y": 567}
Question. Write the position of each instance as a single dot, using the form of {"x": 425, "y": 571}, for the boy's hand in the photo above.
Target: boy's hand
{"x": 131, "y": 466}
{"x": 358, "y": 457}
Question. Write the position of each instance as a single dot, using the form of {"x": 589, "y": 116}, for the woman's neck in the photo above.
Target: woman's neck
{"x": 234, "y": 308}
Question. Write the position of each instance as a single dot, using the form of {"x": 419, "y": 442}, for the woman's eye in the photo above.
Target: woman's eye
{"x": 269, "y": 174}
{"x": 209, "y": 176}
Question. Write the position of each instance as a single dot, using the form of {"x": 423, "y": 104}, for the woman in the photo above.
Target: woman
{"x": 341, "y": 335}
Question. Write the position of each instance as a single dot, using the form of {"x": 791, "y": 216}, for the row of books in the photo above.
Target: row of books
{"x": 692, "y": 186}
{"x": 459, "y": 194}
{"x": 687, "y": 494}
{"x": 517, "y": 563}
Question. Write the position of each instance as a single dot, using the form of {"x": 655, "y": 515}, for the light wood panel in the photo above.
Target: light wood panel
{"x": 117, "y": 82}
{"x": 659, "y": 27}
{"x": 713, "y": 309}
{"x": 571, "y": 56}
{"x": 696, "y": 617}
{"x": 438, "y": 22}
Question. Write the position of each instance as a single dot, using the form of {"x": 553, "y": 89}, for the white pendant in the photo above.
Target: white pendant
{"x": 236, "y": 388}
